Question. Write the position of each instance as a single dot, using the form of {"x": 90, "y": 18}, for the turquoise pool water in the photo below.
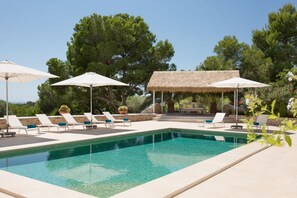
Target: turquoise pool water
{"x": 107, "y": 168}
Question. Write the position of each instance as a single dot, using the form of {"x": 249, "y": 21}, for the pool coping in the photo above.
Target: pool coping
{"x": 166, "y": 186}
{"x": 34, "y": 188}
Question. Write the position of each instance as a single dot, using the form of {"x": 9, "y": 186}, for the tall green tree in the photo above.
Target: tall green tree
{"x": 231, "y": 50}
{"x": 278, "y": 42}
{"x": 254, "y": 65}
{"x": 50, "y": 98}
{"x": 59, "y": 68}
{"x": 47, "y": 101}
{"x": 278, "y": 39}
{"x": 216, "y": 63}
{"x": 272, "y": 54}
{"x": 229, "y": 55}
{"x": 120, "y": 47}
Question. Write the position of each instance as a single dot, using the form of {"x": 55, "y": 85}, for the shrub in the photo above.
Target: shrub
{"x": 275, "y": 138}
{"x": 135, "y": 103}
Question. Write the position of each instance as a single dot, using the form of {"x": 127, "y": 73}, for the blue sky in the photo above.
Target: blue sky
{"x": 34, "y": 31}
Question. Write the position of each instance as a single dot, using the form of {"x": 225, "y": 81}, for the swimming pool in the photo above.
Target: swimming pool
{"x": 107, "y": 166}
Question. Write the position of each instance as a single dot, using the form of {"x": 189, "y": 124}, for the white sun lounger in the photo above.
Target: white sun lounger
{"x": 14, "y": 123}
{"x": 261, "y": 121}
{"x": 2, "y": 133}
{"x": 113, "y": 120}
{"x": 218, "y": 119}
{"x": 46, "y": 122}
{"x": 93, "y": 119}
{"x": 71, "y": 121}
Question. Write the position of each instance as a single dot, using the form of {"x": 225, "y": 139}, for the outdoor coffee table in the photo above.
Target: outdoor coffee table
{"x": 91, "y": 126}
{"x": 236, "y": 126}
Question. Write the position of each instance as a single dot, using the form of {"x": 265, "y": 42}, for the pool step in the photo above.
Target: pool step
{"x": 177, "y": 118}
{"x": 188, "y": 118}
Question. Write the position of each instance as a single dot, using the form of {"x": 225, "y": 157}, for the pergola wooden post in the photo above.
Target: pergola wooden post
{"x": 154, "y": 101}
{"x": 234, "y": 101}
{"x": 162, "y": 101}
{"x": 222, "y": 102}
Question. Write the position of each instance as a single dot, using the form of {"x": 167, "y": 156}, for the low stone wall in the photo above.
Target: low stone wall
{"x": 81, "y": 118}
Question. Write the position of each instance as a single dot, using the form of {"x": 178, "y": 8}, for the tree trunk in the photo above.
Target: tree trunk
{"x": 194, "y": 96}
{"x": 170, "y": 105}
{"x": 109, "y": 99}
{"x": 124, "y": 98}
{"x": 213, "y": 107}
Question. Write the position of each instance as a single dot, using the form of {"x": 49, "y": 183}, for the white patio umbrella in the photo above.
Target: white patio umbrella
{"x": 237, "y": 83}
{"x": 9, "y": 71}
{"x": 90, "y": 79}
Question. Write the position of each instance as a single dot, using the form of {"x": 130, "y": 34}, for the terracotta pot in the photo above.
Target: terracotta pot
{"x": 123, "y": 112}
{"x": 62, "y": 112}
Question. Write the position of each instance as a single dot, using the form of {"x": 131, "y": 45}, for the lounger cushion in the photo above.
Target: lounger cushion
{"x": 87, "y": 122}
{"x": 208, "y": 121}
{"x": 126, "y": 119}
{"x": 62, "y": 123}
{"x": 107, "y": 120}
{"x": 31, "y": 126}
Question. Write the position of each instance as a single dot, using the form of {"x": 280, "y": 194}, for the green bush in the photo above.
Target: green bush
{"x": 276, "y": 136}
{"x": 135, "y": 103}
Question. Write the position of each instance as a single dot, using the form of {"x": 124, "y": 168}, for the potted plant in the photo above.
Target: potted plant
{"x": 123, "y": 109}
{"x": 64, "y": 109}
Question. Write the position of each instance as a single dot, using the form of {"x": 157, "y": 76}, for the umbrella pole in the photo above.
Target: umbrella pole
{"x": 236, "y": 126}
{"x": 7, "y": 120}
{"x": 91, "y": 95}
{"x": 236, "y": 107}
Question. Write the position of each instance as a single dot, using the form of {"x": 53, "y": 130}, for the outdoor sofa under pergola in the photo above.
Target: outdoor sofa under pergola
{"x": 188, "y": 81}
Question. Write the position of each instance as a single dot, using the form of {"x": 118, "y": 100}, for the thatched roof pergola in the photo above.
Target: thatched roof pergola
{"x": 189, "y": 81}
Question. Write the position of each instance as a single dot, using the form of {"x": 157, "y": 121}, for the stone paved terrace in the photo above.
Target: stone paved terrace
{"x": 252, "y": 170}
{"x": 136, "y": 117}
